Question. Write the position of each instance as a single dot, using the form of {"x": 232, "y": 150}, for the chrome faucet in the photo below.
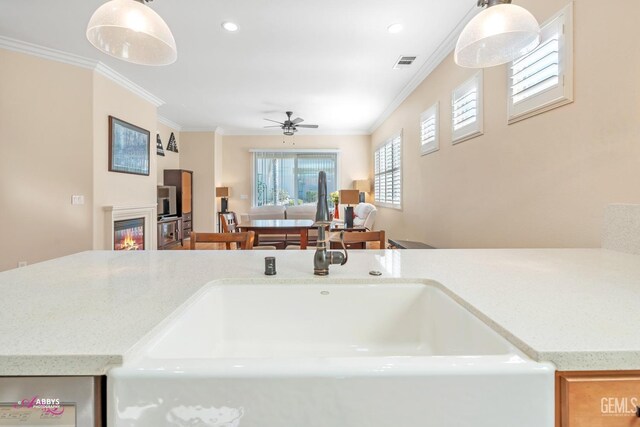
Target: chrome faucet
{"x": 323, "y": 258}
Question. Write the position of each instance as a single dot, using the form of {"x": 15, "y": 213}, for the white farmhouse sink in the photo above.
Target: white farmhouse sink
{"x": 328, "y": 355}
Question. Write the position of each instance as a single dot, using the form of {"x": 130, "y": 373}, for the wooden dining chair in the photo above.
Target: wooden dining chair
{"x": 229, "y": 222}
{"x": 242, "y": 240}
{"x": 361, "y": 239}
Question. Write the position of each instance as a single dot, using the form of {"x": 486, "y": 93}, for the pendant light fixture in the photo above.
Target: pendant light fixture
{"x": 497, "y": 35}
{"x": 132, "y": 31}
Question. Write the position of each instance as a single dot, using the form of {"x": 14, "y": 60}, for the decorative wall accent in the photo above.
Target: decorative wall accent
{"x": 173, "y": 145}
{"x": 128, "y": 148}
{"x": 159, "y": 149}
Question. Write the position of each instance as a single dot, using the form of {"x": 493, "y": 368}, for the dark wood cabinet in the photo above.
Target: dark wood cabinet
{"x": 169, "y": 232}
{"x": 183, "y": 181}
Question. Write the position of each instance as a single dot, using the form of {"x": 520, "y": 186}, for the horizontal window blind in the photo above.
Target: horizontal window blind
{"x": 286, "y": 178}
{"x": 537, "y": 71}
{"x": 537, "y": 80}
{"x": 466, "y": 109}
{"x": 429, "y": 130}
{"x": 388, "y": 172}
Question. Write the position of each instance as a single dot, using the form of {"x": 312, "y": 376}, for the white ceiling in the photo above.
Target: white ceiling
{"x": 329, "y": 61}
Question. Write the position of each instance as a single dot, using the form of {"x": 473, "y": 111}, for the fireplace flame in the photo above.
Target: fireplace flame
{"x": 129, "y": 243}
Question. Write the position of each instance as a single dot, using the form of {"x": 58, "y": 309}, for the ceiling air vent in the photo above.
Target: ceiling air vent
{"x": 404, "y": 62}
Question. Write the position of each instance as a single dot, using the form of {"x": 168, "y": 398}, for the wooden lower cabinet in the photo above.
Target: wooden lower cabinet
{"x": 597, "y": 399}
{"x": 183, "y": 181}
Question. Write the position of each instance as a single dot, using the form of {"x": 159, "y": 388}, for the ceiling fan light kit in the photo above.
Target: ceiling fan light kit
{"x": 497, "y": 35}
{"x": 131, "y": 31}
{"x": 290, "y": 127}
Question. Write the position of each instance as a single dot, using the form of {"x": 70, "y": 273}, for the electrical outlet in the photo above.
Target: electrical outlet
{"x": 77, "y": 200}
{"x": 22, "y": 264}
{"x": 243, "y": 197}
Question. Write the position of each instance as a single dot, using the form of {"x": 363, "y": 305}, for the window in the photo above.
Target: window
{"x": 542, "y": 79}
{"x": 291, "y": 178}
{"x": 388, "y": 173}
{"x": 466, "y": 110}
{"x": 429, "y": 138}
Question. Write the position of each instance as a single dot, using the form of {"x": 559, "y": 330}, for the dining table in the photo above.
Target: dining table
{"x": 279, "y": 226}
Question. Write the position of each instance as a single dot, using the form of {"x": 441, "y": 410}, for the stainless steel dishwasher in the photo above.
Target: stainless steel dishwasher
{"x": 50, "y": 401}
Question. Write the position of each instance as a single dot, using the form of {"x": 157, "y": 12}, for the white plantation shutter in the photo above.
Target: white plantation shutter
{"x": 537, "y": 71}
{"x": 466, "y": 109}
{"x": 537, "y": 81}
{"x": 429, "y": 130}
{"x": 388, "y": 173}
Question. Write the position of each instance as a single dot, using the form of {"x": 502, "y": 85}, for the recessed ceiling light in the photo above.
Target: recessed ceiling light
{"x": 395, "y": 28}
{"x": 230, "y": 26}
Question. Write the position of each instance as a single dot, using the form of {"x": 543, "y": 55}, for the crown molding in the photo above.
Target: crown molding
{"x": 46, "y": 53}
{"x": 118, "y": 78}
{"x": 78, "y": 61}
{"x": 173, "y": 125}
{"x": 435, "y": 59}
{"x": 212, "y": 129}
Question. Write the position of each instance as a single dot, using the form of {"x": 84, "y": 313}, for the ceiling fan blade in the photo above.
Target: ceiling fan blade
{"x": 298, "y": 120}
{"x": 275, "y": 126}
{"x": 307, "y": 126}
{"x": 274, "y": 121}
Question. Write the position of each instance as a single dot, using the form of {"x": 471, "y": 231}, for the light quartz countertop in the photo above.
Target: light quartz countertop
{"x": 81, "y": 314}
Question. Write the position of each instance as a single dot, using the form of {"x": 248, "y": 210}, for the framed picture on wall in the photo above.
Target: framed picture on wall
{"x": 128, "y": 148}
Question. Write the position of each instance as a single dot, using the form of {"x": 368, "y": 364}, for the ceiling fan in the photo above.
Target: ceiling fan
{"x": 289, "y": 127}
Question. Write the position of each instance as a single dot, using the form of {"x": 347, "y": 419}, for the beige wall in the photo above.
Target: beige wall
{"x": 237, "y": 168}
{"x": 170, "y": 160}
{"x": 197, "y": 153}
{"x": 46, "y": 131}
{"x": 541, "y": 182}
{"x": 112, "y": 188}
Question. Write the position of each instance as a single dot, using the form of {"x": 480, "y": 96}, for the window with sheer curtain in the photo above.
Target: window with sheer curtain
{"x": 291, "y": 178}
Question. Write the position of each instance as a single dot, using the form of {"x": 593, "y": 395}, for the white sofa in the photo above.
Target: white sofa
{"x": 365, "y": 213}
{"x": 307, "y": 211}
{"x": 263, "y": 212}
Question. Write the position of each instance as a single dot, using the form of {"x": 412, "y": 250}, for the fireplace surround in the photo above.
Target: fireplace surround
{"x": 136, "y": 218}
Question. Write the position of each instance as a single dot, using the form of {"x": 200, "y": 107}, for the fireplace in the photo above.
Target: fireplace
{"x": 128, "y": 235}
{"x": 130, "y": 227}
